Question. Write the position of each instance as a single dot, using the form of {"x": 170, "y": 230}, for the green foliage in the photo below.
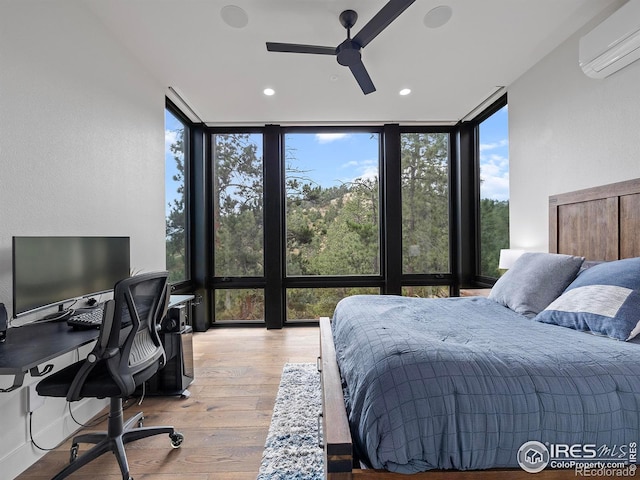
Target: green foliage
{"x": 334, "y": 230}
{"x": 308, "y": 303}
{"x": 494, "y": 234}
{"x": 246, "y": 304}
{"x": 426, "y": 291}
{"x": 238, "y": 219}
{"x": 425, "y": 202}
{"x": 345, "y": 235}
{"x": 176, "y": 219}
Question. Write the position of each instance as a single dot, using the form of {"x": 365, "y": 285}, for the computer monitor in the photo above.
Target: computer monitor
{"x": 49, "y": 271}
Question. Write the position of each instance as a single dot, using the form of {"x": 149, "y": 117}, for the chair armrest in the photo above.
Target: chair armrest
{"x": 99, "y": 352}
{"x": 73, "y": 394}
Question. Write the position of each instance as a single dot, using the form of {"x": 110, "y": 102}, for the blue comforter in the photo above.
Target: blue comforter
{"x": 462, "y": 383}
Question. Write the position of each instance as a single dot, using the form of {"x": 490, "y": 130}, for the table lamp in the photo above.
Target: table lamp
{"x": 508, "y": 257}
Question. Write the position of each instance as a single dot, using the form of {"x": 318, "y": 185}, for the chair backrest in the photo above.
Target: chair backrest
{"x": 140, "y": 306}
{"x": 129, "y": 343}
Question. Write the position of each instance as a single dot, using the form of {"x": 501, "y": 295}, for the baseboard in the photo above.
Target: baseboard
{"x": 48, "y": 431}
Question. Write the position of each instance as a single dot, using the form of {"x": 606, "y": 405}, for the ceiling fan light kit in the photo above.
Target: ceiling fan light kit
{"x": 234, "y": 16}
{"x": 438, "y": 16}
{"x": 348, "y": 52}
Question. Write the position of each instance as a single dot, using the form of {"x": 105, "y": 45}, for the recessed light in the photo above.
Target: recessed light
{"x": 405, "y": 91}
{"x": 269, "y": 91}
{"x": 234, "y": 16}
{"x": 438, "y": 16}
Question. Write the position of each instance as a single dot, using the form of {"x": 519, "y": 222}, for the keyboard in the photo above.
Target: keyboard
{"x": 89, "y": 319}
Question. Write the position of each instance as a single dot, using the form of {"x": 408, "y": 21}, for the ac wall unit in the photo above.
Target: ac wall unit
{"x": 613, "y": 44}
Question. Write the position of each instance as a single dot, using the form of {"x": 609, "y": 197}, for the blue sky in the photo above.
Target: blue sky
{"x": 170, "y": 136}
{"x": 494, "y": 156}
{"x": 332, "y": 159}
{"x": 335, "y": 158}
{"x": 339, "y": 157}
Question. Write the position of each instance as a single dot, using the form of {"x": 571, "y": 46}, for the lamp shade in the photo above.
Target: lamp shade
{"x": 508, "y": 257}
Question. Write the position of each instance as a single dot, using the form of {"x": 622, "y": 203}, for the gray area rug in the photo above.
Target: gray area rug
{"x": 291, "y": 451}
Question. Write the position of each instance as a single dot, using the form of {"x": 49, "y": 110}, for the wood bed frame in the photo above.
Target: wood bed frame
{"x": 601, "y": 223}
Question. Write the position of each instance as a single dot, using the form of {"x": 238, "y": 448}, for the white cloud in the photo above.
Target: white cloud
{"x": 330, "y": 137}
{"x": 369, "y": 172}
{"x": 366, "y": 169}
{"x": 494, "y": 177}
{"x": 494, "y": 164}
{"x": 350, "y": 164}
{"x": 170, "y": 137}
{"x": 496, "y": 188}
{"x": 494, "y": 145}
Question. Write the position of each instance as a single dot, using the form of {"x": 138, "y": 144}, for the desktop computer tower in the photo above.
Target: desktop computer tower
{"x": 177, "y": 339}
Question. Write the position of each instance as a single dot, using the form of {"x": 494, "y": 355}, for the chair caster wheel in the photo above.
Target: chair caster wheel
{"x": 74, "y": 453}
{"x": 176, "y": 439}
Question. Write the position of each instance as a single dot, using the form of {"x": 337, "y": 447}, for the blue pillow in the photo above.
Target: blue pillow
{"x": 604, "y": 300}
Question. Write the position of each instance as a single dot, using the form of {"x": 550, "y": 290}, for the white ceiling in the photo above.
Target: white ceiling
{"x": 221, "y": 71}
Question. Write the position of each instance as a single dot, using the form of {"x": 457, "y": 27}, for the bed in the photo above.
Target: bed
{"x": 488, "y": 375}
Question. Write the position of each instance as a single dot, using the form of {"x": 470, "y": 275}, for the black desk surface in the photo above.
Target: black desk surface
{"x": 31, "y": 345}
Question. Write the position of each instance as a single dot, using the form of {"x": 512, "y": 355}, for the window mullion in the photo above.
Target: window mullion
{"x": 273, "y": 227}
{"x": 392, "y": 211}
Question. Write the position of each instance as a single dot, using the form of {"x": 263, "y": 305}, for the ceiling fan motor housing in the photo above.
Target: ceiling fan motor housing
{"x": 348, "y": 53}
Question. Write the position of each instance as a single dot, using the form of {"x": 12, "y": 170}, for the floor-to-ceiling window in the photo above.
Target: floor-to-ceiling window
{"x": 425, "y": 209}
{"x": 493, "y": 152}
{"x": 332, "y": 221}
{"x": 303, "y": 217}
{"x": 176, "y": 136}
{"x": 332, "y": 204}
{"x": 299, "y": 217}
{"x": 238, "y": 226}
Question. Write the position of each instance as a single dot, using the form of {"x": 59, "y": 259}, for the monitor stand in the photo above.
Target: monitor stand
{"x": 61, "y": 314}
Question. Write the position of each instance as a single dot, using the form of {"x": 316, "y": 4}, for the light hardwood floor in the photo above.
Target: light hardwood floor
{"x": 225, "y": 421}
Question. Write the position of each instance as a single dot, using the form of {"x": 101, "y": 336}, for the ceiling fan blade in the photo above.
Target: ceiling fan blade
{"x": 298, "y": 48}
{"x": 381, "y": 20}
{"x": 362, "y": 77}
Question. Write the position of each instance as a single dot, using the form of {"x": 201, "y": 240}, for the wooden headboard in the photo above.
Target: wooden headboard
{"x": 600, "y": 223}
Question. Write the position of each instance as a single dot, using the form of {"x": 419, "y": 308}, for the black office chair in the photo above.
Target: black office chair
{"x": 127, "y": 353}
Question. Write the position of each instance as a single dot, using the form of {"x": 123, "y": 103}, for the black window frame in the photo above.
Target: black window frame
{"x": 464, "y": 215}
{"x": 372, "y": 280}
{"x": 482, "y": 280}
{"x": 214, "y": 282}
{"x": 187, "y": 283}
{"x": 449, "y": 278}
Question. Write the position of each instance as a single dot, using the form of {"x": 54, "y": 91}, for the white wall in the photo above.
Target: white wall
{"x": 567, "y": 132}
{"x": 81, "y": 153}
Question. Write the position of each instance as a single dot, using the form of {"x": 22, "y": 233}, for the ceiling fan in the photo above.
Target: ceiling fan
{"x": 348, "y": 52}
